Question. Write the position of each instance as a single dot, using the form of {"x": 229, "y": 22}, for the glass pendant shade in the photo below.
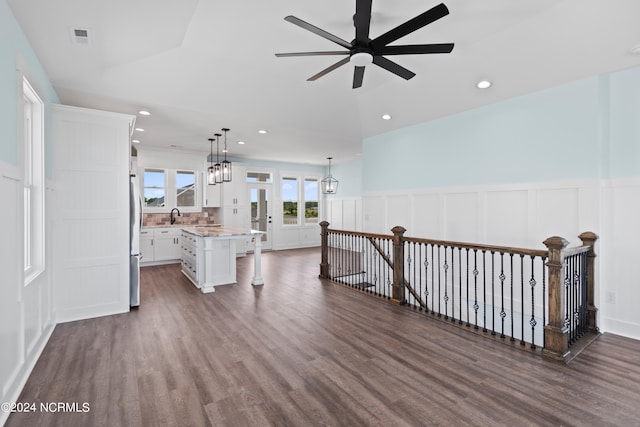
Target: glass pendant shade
{"x": 211, "y": 177}
{"x": 226, "y": 170}
{"x": 329, "y": 183}
{"x": 217, "y": 168}
{"x": 217, "y": 173}
{"x": 226, "y": 164}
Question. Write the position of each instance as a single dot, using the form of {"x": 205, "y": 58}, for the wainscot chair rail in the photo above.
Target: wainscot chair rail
{"x": 539, "y": 300}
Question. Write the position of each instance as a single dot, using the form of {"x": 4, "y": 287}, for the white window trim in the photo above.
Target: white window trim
{"x": 171, "y": 199}
{"x": 301, "y": 178}
{"x": 32, "y": 149}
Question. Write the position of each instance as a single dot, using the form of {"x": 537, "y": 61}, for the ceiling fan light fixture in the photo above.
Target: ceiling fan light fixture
{"x": 361, "y": 59}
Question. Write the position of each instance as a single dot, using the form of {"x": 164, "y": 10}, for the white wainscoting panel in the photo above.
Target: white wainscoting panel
{"x": 427, "y": 218}
{"x": 461, "y": 222}
{"x": 524, "y": 215}
{"x": 506, "y": 218}
{"x": 25, "y": 312}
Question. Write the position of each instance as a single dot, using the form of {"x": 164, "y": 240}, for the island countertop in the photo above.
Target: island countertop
{"x": 219, "y": 231}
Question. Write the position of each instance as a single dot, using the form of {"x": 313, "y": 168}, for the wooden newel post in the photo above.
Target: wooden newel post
{"x": 398, "y": 264}
{"x": 556, "y": 333}
{"x": 324, "y": 243}
{"x": 589, "y": 239}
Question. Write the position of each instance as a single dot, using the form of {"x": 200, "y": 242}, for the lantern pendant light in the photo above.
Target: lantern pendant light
{"x": 226, "y": 164}
{"x": 217, "y": 168}
{"x": 329, "y": 183}
{"x": 211, "y": 177}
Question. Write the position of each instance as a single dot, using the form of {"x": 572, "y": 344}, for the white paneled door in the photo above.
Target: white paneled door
{"x": 91, "y": 231}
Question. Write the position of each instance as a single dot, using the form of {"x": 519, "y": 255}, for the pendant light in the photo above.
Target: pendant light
{"x": 329, "y": 183}
{"x": 211, "y": 176}
{"x": 217, "y": 168}
{"x": 226, "y": 164}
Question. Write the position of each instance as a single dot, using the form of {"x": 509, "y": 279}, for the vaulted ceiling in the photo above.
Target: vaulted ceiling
{"x": 201, "y": 65}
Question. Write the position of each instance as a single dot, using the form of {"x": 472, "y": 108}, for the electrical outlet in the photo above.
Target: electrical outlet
{"x": 611, "y": 297}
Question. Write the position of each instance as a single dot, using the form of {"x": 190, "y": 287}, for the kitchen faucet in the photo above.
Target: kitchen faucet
{"x": 173, "y": 218}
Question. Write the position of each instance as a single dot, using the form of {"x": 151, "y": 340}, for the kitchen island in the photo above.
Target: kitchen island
{"x": 209, "y": 255}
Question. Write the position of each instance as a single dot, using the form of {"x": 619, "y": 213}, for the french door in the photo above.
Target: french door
{"x": 261, "y": 218}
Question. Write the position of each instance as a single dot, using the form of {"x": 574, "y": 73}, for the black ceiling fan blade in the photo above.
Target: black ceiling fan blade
{"x": 328, "y": 53}
{"x": 328, "y": 69}
{"x": 358, "y": 76}
{"x": 388, "y": 65}
{"x": 415, "y": 49}
{"x": 410, "y": 26}
{"x": 362, "y": 21}
{"x": 318, "y": 31}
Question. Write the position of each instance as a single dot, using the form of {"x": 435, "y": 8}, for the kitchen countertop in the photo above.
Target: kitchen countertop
{"x": 219, "y": 231}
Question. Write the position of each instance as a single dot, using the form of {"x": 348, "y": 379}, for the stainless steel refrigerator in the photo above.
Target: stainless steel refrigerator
{"x": 135, "y": 222}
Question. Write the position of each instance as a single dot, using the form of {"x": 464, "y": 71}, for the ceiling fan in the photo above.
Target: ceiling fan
{"x": 363, "y": 50}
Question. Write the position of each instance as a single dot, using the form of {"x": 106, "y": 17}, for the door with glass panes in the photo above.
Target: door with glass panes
{"x": 259, "y": 184}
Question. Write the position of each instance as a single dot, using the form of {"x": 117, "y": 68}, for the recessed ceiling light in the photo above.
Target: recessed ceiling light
{"x": 144, "y": 112}
{"x": 386, "y": 117}
{"x": 135, "y": 141}
{"x": 262, "y": 131}
{"x": 240, "y": 142}
{"x": 484, "y": 84}
{"x": 140, "y": 129}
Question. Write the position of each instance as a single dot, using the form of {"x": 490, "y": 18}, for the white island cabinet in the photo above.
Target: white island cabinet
{"x": 209, "y": 255}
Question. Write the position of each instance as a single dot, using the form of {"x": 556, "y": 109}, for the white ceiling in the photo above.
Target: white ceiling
{"x": 201, "y": 65}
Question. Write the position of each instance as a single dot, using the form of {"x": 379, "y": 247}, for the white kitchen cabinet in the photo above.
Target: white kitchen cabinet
{"x": 235, "y": 193}
{"x": 235, "y": 211}
{"x": 160, "y": 245}
{"x": 211, "y": 194}
{"x": 146, "y": 245}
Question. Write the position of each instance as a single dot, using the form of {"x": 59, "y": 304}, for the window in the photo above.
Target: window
{"x": 165, "y": 189}
{"x": 301, "y": 203}
{"x": 258, "y": 177}
{"x": 33, "y": 165}
{"x": 185, "y": 189}
{"x": 311, "y": 198}
{"x": 290, "y": 201}
{"x": 154, "y": 188}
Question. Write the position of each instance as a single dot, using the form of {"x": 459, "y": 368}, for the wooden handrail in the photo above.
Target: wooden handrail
{"x": 557, "y": 261}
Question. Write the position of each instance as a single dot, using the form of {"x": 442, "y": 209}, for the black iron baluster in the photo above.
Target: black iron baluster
{"x": 475, "y": 287}
{"x": 511, "y": 298}
{"x": 445, "y": 267}
{"x": 522, "y": 299}
{"x": 484, "y": 291}
{"x": 468, "y": 317}
{"x": 439, "y": 285}
{"x": 453, "y": 286}
{"x": 426, "y": 278}
{"x": 460, "y": 285}
{"x": 503, "y": 314}
{"x": 533, "y": 322}
{"x": 493, "y": 294}
{"x": 433, "y": 280}
{"x": 567, "y": 293}
{"x": 544, "y": 296}
{"x": 420, "y": 275}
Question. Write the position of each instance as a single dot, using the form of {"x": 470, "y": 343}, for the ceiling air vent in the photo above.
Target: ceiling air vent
{"x": 80, "y": 35}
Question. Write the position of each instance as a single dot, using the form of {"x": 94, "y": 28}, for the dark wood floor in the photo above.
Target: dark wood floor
{"x": 299, "y": 351}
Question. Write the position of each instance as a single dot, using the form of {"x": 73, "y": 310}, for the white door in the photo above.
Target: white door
{"x": 261, "y": 218}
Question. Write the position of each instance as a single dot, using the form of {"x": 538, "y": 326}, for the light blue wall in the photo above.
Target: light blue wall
{"x": 15, "y": 52}
{"x": 349, "y": 176}
{"x": 585, "y": 129}
{"x": 624, "y": 143}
